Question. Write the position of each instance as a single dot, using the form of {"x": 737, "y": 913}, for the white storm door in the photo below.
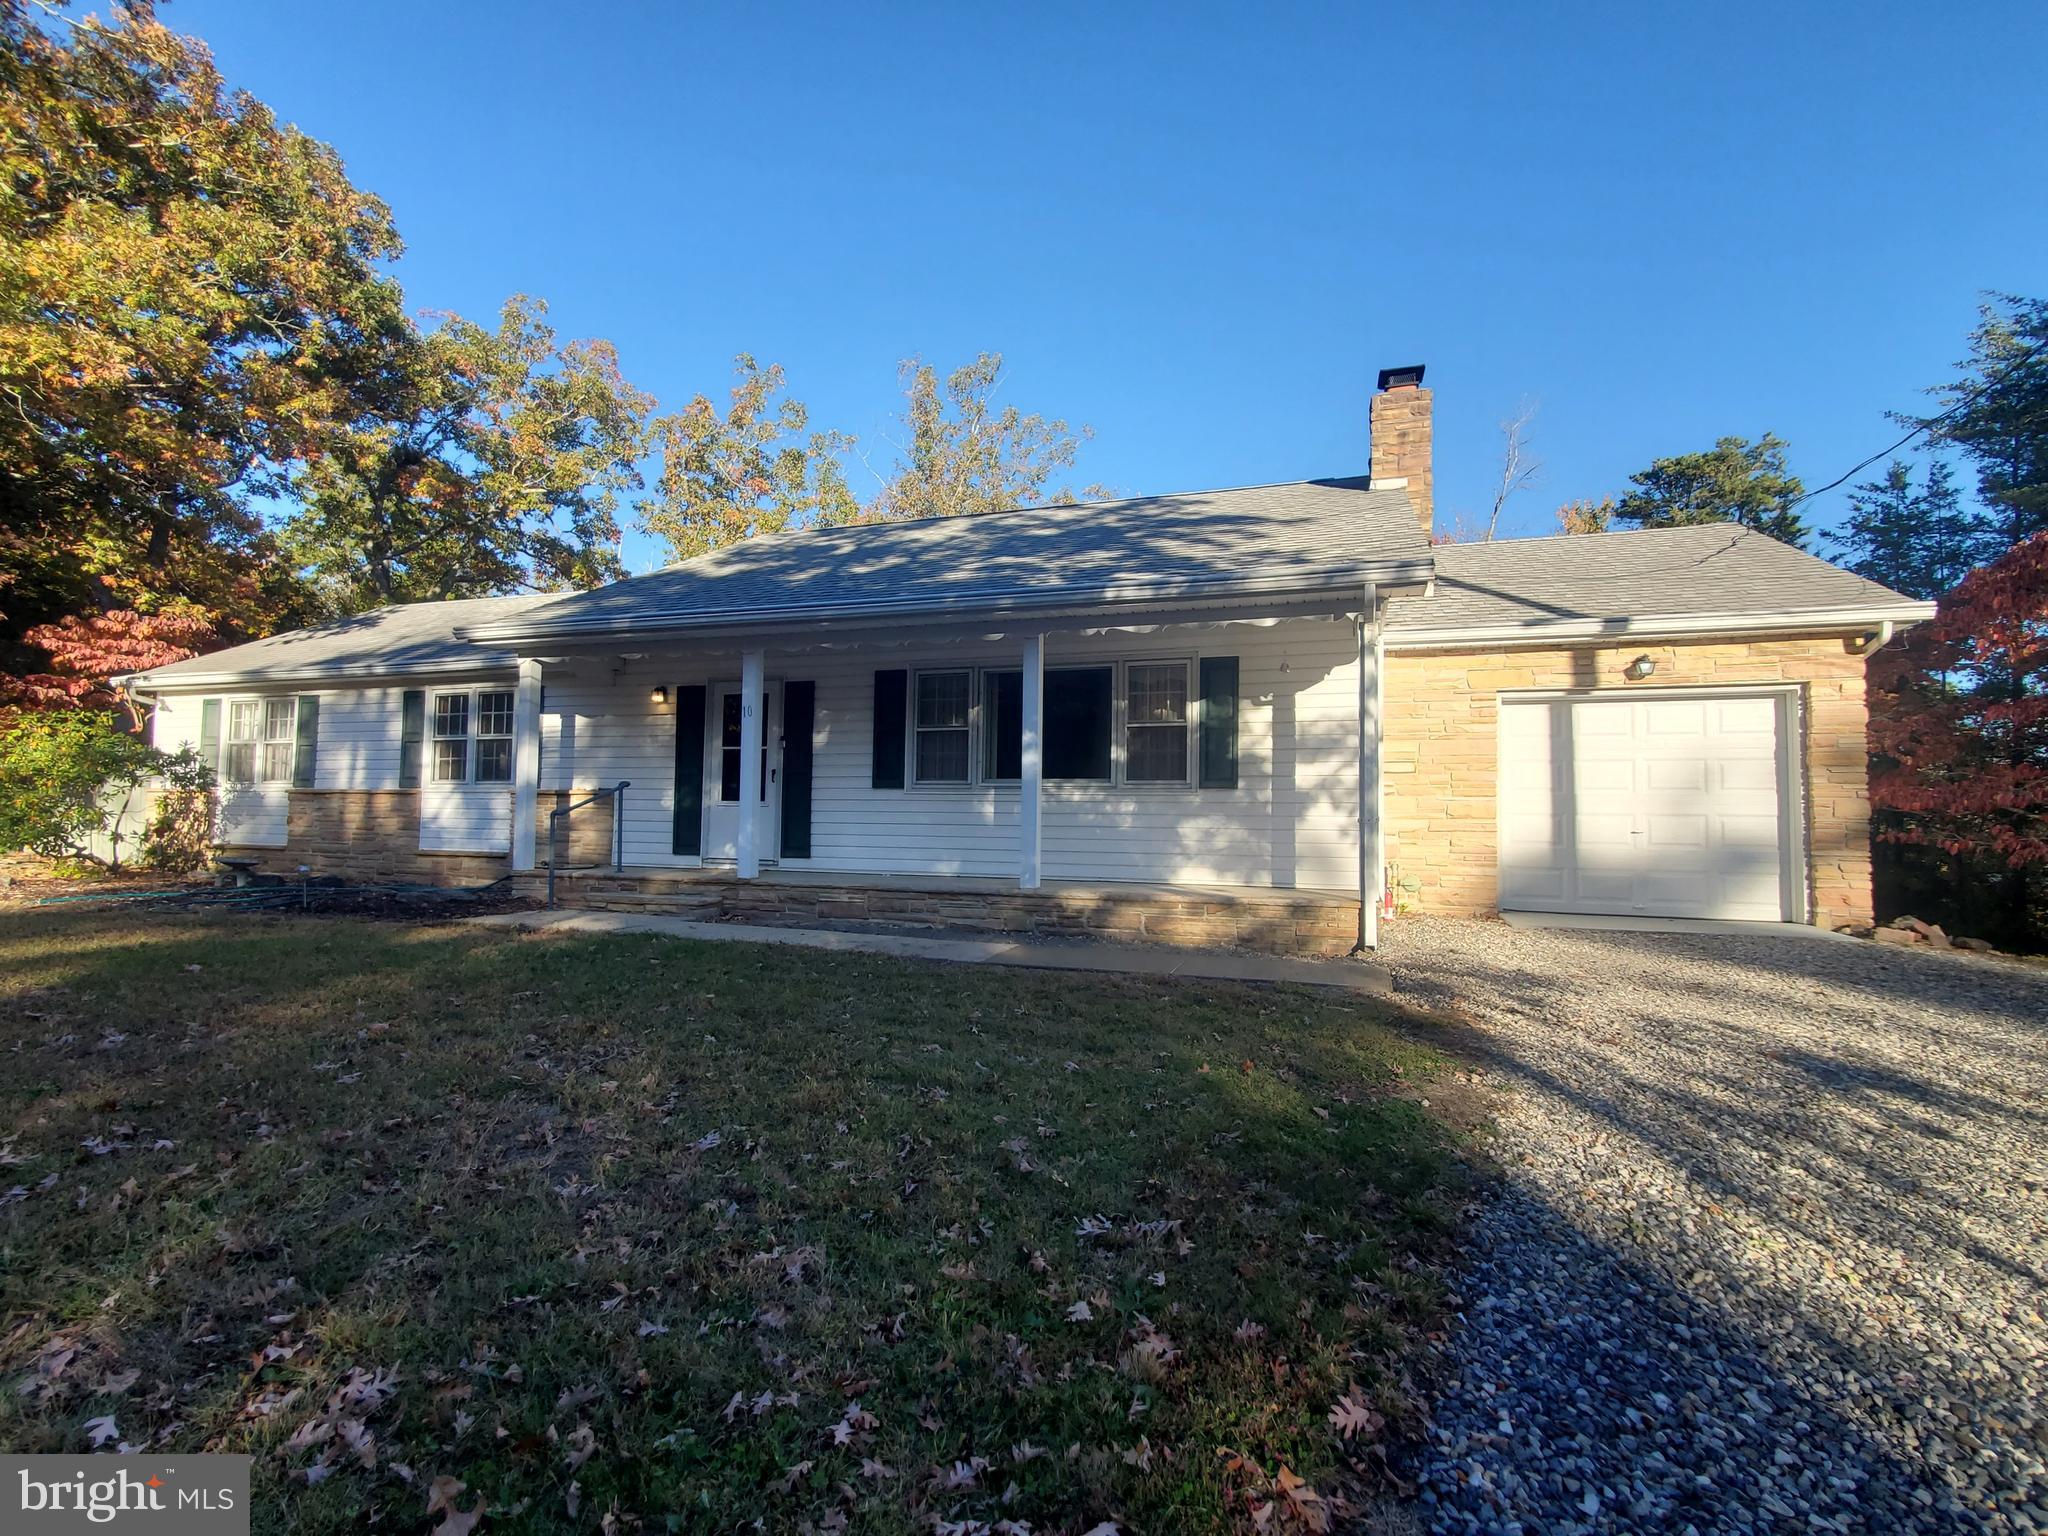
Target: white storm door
{"x": 722, "y": 776}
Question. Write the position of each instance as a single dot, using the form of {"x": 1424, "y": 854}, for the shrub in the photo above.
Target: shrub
{"x": 63, "y": 774}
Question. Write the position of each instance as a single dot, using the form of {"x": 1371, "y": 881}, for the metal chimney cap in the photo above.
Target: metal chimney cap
{"x": 1401, "y": 378}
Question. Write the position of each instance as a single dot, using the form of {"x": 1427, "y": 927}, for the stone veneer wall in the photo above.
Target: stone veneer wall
{"x": 374, "y": 835}
{"x": 1441, "y": 760}
{"x": 1278, "y": 922}
{"x": 368, "y": 835}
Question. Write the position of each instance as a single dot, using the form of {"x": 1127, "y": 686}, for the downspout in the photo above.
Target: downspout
{"x": 1371, "y": 697}
{"x": 1878, "y": 639}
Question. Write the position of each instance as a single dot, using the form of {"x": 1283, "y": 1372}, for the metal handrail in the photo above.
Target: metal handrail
{"x": 617, "y": 793}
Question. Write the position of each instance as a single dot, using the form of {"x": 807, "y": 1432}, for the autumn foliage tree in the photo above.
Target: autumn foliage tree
{"x": 1959, "y": 736}
{"x": 178, "y": 267}
{"x": 467, "y": 460}
{"x": 88, "y": 652}
{"x": 754, "y": 467}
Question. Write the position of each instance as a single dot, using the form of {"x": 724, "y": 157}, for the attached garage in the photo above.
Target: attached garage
{"x": 1653, "y": 802}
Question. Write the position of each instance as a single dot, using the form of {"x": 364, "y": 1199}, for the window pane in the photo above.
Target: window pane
{"x": 1158, "y": 693}
{"x": 451, "y": 760}
{"x": 241, "y": 767}
{"x": 494, "y": 760}
{"x": 451, "y": 714}
{"x": 1158, "y": 755}
{"x": 277, "y": 761}
{"x": 1077, "y": 723}
{"x": 729, "y": 722}
{"x": 729, "y": 774}
{"x": 242, "y": 717}
{"x": 494, "y": 714}
{"x": 942, "y": 698}
{"x": 1002, "y": 725}
{"x": 942, "y": 756}
{"x": 277, "y": 719}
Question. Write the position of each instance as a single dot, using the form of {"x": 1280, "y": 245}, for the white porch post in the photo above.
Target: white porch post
{"x": 526, "y": 764}
{"x": 1372, "y": 859}
{"x": 1032, "y": 773}
{"x": 753, "y": 681}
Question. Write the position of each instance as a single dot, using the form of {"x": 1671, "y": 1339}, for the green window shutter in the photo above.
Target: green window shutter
{"x": 412, "y": 735}
{"x": 209, "y": 734}
{"x": 892, "y": 690}
{"x": 799, "y": 709}
{"x": 688, "y": 836}
{"x": 307, "y": 745}
{"x": 1219, "y": 723}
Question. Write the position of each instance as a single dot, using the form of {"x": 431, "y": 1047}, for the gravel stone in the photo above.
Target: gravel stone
{"x": 1770, "y": 1249}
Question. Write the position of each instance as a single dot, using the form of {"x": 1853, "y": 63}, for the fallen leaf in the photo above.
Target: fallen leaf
{"x": 102, "y": 1429}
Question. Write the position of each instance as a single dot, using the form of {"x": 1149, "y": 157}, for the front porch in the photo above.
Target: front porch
{"x": 1286, "y": 922}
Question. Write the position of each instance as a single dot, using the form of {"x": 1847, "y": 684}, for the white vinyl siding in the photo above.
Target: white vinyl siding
{"x": 1291, "y": 821}
{"x": 360, "y": 730}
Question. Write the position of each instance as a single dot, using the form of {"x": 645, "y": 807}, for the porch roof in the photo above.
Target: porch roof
{"x": 1306, "y": 536}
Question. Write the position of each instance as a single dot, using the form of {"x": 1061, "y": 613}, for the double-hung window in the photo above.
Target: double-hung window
{"x": 260, "y": 734}
{"x": 968, "y": 727}
{"x": 942, "y": 724}
{"x": 1156, "y": 721}
{"x": 473, "y": 737}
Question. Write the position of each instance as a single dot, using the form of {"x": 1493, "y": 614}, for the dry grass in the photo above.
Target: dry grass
{"x": 681, "y": 1236}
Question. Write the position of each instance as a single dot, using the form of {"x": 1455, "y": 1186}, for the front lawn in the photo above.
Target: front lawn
{"x": 651, "y": 1235}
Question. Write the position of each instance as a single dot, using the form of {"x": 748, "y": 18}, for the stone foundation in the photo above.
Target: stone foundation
{"x": 1274, "y": 922}
{"x": 368, "y": 835}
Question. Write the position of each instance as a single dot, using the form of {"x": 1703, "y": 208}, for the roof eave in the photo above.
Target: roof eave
{"x": 1671, "y": 626}
{"x": 346, "y": 672}
{"x": 1009, "y": 604}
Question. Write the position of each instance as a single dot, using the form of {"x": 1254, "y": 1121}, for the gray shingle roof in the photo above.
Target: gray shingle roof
{"x": 1314, "y": 531}
{"x": 407, "y": 637}
{"x": 1713, "y": 568}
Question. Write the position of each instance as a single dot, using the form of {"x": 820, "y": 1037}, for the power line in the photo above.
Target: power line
{"x": 1932, "y": 422}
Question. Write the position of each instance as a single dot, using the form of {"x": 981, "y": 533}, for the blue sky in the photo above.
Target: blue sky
{"x": 1203, "y": 229}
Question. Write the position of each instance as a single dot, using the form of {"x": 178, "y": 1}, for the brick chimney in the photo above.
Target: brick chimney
{"x": 1401, "y": 438}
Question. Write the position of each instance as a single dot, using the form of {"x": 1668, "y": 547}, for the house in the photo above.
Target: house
{"x": 1228, "y": 716}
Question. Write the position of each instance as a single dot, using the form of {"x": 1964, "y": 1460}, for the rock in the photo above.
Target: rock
{"x": 1936, "y": 939}
{"x": 1978, "y": 946}
{"x": 1897, "y": 936}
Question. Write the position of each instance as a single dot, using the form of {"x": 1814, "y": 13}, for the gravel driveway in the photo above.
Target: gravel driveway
{"x": 1770, "y": 1251}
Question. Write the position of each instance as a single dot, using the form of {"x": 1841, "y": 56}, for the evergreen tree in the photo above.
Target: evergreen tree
{"x": 1919, "y": 540}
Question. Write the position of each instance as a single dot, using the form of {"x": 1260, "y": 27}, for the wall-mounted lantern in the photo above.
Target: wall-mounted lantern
{"x": 1639, "y": 669}
{"x": 660, "y": 694}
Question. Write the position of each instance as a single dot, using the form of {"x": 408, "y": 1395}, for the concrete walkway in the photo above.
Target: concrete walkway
{"x": 1114, "y": 959}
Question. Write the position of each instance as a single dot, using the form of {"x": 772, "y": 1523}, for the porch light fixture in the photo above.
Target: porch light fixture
{"x": 660, "y": 694}
{"x": 1639, "y": 669}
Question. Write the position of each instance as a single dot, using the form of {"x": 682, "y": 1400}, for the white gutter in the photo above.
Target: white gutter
{"x": 1406, "y": 637}
{"x": 343, "y": 672}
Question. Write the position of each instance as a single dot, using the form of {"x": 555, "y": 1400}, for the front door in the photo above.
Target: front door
{"x": 722, "y": 776}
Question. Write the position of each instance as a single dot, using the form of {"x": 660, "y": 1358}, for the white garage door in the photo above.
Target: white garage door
{"x": 1665, "y": 806}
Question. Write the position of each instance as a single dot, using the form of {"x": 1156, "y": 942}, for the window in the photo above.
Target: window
{"x": 941, "y": 722}
{"x": 1156, "y": 722}
{"x": 473, "y": 736}
{"x": 451, "y": 738}
{"x": 260, "y": 732}
{"x": 494, "y": 737}
{"x": 1077, "y": 728}
{"x": 1002, "y": 726}
{"x": 729, "y": 747}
